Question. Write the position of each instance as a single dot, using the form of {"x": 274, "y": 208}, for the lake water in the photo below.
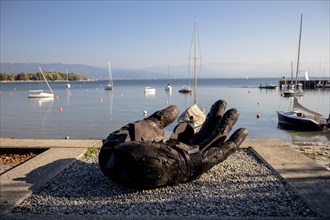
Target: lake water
{"x": 90, "y": 112}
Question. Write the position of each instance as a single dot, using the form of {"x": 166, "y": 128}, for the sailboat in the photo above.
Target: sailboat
{"x": 296, "y": 90}
{"x": 193, "y": 115}
{"x": 39, "y": 93}
{"x": 300, "y": 118}
{"x": 68, "y": 86}
{"x": 110, "y": 84}
{"x": 168, "y": 87}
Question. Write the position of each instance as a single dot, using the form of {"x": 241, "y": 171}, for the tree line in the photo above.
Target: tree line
{"x": 50, "y": 76}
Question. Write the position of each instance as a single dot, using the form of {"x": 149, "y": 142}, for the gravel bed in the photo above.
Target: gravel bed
{"x": 240, "y": 186}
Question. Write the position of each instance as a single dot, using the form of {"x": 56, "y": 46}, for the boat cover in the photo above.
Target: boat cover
{"x": 297, "y": 105}
{"x": 194, "y": 116}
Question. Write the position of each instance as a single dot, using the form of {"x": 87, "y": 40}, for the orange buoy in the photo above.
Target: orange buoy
{"x": 101, "y": 100}
{"x": 57, "y": 97}
{"x": 60, "y": 109}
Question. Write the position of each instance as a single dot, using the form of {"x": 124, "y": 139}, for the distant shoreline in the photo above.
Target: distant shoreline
{"x": 23, "y": 81}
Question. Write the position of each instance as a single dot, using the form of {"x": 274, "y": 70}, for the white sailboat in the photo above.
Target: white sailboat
{"x": 39, "y": 93}
{"x": 168, "y": 87}
{"x": 297, "y": 90}
{"x": 68, "y": 86}
{"x": 193, "y": 115}
{"x": 110, "y": 84}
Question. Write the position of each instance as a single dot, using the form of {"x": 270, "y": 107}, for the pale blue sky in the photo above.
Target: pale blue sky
{"x": 138, "y": 34}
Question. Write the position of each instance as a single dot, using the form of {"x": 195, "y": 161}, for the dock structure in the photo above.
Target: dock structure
{"x": 307, "y": 84}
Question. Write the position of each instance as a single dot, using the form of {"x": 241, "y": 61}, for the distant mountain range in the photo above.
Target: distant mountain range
{"x": 210, "y": 70}
{"x": 160, "y": 72}
{"x": 89, "y": 71}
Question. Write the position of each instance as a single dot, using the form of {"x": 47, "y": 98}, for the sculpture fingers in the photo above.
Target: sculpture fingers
{"x": 163, "y": 118}
{"x": 217, "y": 154}
{"x": 212, "y": 119}
{"x": 221, "y": 131}
{"x": 148, "y": 129}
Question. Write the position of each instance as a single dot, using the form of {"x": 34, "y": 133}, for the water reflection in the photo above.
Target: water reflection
{"x": 308, "y": 136}
{"x": 44, "y": 105}
{"x": 111, "y": 102}
{"x": 41, "y": 102}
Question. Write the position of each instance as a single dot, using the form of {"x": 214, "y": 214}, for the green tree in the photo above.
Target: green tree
{"x": 22, "y": 76}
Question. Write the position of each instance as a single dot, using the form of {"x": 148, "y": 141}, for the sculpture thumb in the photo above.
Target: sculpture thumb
{"x": 163, "y": 118}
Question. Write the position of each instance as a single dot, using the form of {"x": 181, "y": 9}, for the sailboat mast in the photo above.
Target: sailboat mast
{"x": 291, "y": 73}
{"x": 46, "y": 80}
{"x": 195, "y": 61}
{"x": 110, "y": 77}
{"x": 297, "y": 71}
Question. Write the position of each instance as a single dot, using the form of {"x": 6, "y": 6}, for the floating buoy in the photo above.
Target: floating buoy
{"x": 101, "y": 100}
{"x": 57, "y": 97}
{"x": 166, "y": 102}
{"x": 258, "y": 116}
{"x": 60, "y": 109}
{"x": 145, "y": 112}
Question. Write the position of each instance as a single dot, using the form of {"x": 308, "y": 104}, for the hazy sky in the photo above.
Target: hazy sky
{"x": 138, "y": 34}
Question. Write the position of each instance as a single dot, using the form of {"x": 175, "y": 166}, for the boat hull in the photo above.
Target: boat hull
{"x": 168, "y": 88}
{"x": 185, "y": 91}
{"x": 108, "y": 87}
{"x": 41, "y": 95}
{"x": 289, "y": 121}
{"x": 267, "y": 86}
{"x": 149, "y": 90}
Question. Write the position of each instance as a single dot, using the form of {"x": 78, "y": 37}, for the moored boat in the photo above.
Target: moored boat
{"x": 185, "y": 89}
{"x": 149, "y": 90}
{"x": 110, "y": 84}
{"x": 267, "y": 86}
{"x": 301, "y": 119}
{"x": 39, "y": 93}
{"x": 193, "y": 115}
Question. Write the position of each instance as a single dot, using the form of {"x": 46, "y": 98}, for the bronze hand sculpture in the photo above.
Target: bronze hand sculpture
{"x": 137, "y": 155}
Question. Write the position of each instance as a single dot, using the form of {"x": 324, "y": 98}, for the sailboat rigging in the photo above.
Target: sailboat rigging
{"x": 39, "y": 93}
{"x": 67, "y": 80}
{"x": 296, "y": 90}
{"x": 110, "y": 84}
{"x": 193, "y": 115}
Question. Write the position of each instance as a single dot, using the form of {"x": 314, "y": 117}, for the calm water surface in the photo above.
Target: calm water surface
{"x": 90, "y": 112}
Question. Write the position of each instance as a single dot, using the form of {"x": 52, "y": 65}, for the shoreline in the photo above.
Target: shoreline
{"x": 29, "y": 81}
